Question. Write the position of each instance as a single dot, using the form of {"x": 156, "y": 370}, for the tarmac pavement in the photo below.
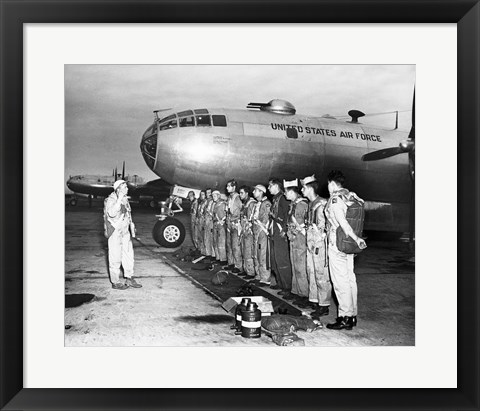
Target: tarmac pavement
{"x": 178, "y": 306}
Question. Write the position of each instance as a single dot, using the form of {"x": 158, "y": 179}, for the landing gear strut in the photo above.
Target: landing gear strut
{"x": 168, "y": 231}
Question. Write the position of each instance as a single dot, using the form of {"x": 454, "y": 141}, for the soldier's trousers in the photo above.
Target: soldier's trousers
{"x": 200, "y": 236}
{"x": 298, "y": 256}
{"x": 193, "y": 226}
{"x": 260, "y": 255}
{"x": 234, "y": 253}
{"x": 247, "y": 253}
{"x": 280, "y": 262}
{"x": 344, "y": 281}
{"x": 219, "y": 242}
{"x": 120, "y": 253}
{"x": 208, "y": 237}
{"x": 320, "y": 287}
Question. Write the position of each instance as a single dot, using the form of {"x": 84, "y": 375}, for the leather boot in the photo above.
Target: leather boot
{"x": 320, "y": 311}
{"x": 343, "y": 323}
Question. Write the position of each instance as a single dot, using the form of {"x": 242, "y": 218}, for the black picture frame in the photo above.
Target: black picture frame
{"x": 14, "y": 13}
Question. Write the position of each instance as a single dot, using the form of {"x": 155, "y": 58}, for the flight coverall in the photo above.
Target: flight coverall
{"x": 320, "y": 287}
{"x": 298, "y": 246}
{"x": 120, "y": 247}
{"x": 219, "y": 236}
{"x": 340, "y": 264}
{"x": 248, "y": 209}
{"x": 234, "y": 252}
{"x": 279, "y": 255}
{"x": 260, "y": 240}
{"x": 208, "y": 228}
{"x": 201, "y": 226}
{"x": 193, "y": 221}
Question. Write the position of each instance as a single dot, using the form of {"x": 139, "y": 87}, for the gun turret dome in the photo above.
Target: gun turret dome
{"x": 275, "y": 106}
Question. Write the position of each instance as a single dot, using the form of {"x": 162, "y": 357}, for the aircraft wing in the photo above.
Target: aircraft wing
{"x": 155, "y": 188}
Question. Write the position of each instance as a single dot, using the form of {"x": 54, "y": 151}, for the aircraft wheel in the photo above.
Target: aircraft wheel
{"x": 169, "y": 233}
{"x": 73, "y": 202}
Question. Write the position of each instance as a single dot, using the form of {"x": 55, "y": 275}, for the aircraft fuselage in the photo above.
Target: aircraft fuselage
{"x": 252, "y": 146}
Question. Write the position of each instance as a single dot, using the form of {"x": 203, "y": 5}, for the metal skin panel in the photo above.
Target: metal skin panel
{"x": 255, "y": 146}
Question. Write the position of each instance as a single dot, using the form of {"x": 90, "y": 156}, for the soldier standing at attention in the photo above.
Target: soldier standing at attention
{"x": 248, "y": 206}
{"x": 320, "y": 288}
{"x": 261, "y": 216}
{"x": 219, "y": 216}
{"x": 298, "y": 244}
{"x": 234, "y": 207}
{"x": 341, "y": 264}
{"x": 201, "y": 222}
{"x": 193, "y": 217}
{"x": 208, "y": 227}
{"x": 279, "y": 255}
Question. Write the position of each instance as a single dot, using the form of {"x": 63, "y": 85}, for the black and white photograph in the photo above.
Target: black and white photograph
{"x": 239, "y": 205}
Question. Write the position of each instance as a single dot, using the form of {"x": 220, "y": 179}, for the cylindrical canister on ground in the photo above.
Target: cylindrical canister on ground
{"x": 251, "y": 321}
{"x": 238, "y": 313}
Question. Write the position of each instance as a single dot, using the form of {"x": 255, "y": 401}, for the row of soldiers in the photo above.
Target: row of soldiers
{"x": 287, "y": 244}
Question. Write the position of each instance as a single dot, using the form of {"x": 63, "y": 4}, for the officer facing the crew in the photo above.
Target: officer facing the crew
{"x": 340, "y": 263}
{"x": 320, "y": 287}
{"x": 119, "y": 229}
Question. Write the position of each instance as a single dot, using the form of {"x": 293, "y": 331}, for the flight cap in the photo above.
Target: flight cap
{"x": 216, "y": 192}
{"x": 292, "y": 183}
{"x": 309, "y": 179}
{"x": 118, "y": 183}
{"x": 261, "y": 188}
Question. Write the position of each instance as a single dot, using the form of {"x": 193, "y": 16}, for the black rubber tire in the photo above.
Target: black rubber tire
{"x": 169, "y": 233}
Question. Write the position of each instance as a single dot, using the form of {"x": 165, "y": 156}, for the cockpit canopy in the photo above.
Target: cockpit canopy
{"x": 191, "y": 118}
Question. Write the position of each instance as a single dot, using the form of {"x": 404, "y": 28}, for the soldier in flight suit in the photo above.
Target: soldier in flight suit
{"x": 320, "y": 287}
{"x": 261, "y": 217}
{"x": 279, "y": 255}
{"x": 208, "y": 227}
{"x": 341, "y": 264}
{"x": 119, "y": 228}
{"x": 201, "y": 222}
{"x": 298, "y": 244}
{"x": 219, "y": 237}
{"x": 193, "y": 217}
{"x": 248, "y": 206}
{"x": 234, "y": 207}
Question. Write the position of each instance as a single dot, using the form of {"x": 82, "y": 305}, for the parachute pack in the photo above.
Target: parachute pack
{"x": 107, "y": 226}
{"x": 355, "y": 216}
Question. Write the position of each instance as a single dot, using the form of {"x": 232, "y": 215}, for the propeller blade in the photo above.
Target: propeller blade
{"x": 116, "y": 173}
{"x": 381, "y": 154}
{"x": 123, "y": 171}
{"x": 411, "y": 136}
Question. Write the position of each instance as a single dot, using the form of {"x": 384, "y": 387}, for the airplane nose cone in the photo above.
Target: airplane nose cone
{"x": 148, "y": 146}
